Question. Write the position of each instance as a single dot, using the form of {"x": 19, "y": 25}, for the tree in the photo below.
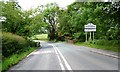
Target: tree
{"x": 51, "y": 13}
{"x": 23, "y": 23}
{"x": 73, "y": 19}
{"x": 11, "y": 11}
{"x": 113, "y": 12}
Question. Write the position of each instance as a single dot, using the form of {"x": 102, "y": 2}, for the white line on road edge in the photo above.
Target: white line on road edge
{"x": 105, "y": 54}
{"x": 32, "y": 52}
{"x": 66, "y": 63}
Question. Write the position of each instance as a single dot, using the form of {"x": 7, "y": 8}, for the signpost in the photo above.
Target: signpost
{"x": 90, "y": 28}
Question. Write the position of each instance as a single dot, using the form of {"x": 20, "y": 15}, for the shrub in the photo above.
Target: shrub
{"x": 107, "y": 42}
{"x": 30, "y": 43}
{"x": 12, "y": 44}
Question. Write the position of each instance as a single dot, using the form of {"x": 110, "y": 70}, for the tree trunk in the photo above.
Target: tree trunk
{"x": 52, "y": 34}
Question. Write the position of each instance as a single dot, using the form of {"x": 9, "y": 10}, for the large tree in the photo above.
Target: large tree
{"x": 73, "y": 19}
{"x": 20, "y": 22}
{"x": 12, "y": 12}
{"x": 51, "y": 13}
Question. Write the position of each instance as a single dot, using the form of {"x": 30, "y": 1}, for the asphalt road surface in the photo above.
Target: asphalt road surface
{"x": 63, "y": 56}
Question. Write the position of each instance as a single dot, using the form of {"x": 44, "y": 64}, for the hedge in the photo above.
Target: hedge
{"x": 12, "y": 44}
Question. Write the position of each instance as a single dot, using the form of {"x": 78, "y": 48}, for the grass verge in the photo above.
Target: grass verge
{"x": 40, "y": 37}
{"x": 14, "y": 59}
{"x": 104, "y": 47}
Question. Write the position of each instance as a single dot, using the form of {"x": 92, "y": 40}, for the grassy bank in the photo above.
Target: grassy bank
{"x": 14, "y": 59}
{"x": 104, "y": 47}
{"x": 14, "y": 48}
{"x": 40, "y": 37}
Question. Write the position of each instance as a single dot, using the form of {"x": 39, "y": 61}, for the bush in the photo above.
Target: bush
{"x": 12, "y": 44}
{"x": 107, "y": 42}
{"x": 30, "y": 43}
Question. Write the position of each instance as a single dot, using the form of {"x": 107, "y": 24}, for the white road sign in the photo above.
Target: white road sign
{"x": 90, "y": 27}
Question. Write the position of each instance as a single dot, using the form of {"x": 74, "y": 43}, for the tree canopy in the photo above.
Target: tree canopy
{"x": 67, "y": 22}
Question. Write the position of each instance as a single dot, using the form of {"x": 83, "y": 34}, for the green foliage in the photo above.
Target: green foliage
{"x": 64, "y": 23}
{"x": 23, "y": 23}
{"x": 14, "y": 59}
{"x": 107, "y": 42}
{"x": 78, "y": 14}
{"x": 12, "y": 13}
{"x": 102, "y": 44}
{"x": 51, "y": 13}
{"x": 40, "y": 37}
{"x": 12, "y": 44}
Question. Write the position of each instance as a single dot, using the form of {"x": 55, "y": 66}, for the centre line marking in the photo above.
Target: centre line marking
{"x": 61, "y": 65}
{"x": 64, "y": 60}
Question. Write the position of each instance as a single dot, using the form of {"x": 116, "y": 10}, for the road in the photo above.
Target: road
{"x": 63, "y": 56}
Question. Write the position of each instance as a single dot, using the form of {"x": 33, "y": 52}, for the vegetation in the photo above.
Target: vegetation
{"x": 82, "y": 13}
{"x": 20, "y": 27}
{"x": 14, "y": 48}
{"x": 68, "y": 23}
{"x": 102, "y": 44}
{"x": 103, "y": 15}
{"x": 14, "y": 59}
{"x": 13, "y": 44}
{"x": 20, "y": 22}
{"x": 40, "y": 37}
{"x": 51, "y": 14}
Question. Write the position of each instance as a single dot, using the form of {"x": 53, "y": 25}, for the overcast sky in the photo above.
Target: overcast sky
{"x": 27, "y": 4}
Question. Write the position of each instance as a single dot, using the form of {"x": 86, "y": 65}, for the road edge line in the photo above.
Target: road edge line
{"x": 110, "y": 55}
{"x": 32, "y": 52}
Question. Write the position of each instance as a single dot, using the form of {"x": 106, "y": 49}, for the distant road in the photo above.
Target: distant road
{"x": 63, "y": 56}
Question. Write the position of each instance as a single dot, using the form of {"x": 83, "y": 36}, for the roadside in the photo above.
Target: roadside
{"x": 110, "y": 53}
{"x": 46, "y": 58}
{"x": 108, "y": 47}
{"x": 65, "y": 56}
{"x": 16, "y": 58}
{"x": 107, "y": 50}
{"x": 104, "y": 50}
{"x": 14, "y": 49}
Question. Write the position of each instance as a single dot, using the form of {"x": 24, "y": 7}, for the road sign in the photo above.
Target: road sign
{"x": 90, "y": 27}
{"x": 2, "y": 18}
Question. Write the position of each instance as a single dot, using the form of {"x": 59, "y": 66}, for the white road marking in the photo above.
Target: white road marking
{"x": 105, "y": 54}
{"x": 61, "y": 65}
{"x": 32, "y": 52}
{"x": 64, "y": 60}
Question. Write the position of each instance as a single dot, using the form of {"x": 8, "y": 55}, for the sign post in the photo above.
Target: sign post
{"x": 90, "y": 28}
{"x": 86, "y": 36}
{"x": 90, "y": 35}
{"x": 93, "y": 36}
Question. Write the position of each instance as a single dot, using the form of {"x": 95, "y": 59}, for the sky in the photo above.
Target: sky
{"x": 27, "y": 4}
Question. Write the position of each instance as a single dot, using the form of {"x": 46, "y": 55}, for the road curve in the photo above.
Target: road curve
{"x": 63, "y": 56}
